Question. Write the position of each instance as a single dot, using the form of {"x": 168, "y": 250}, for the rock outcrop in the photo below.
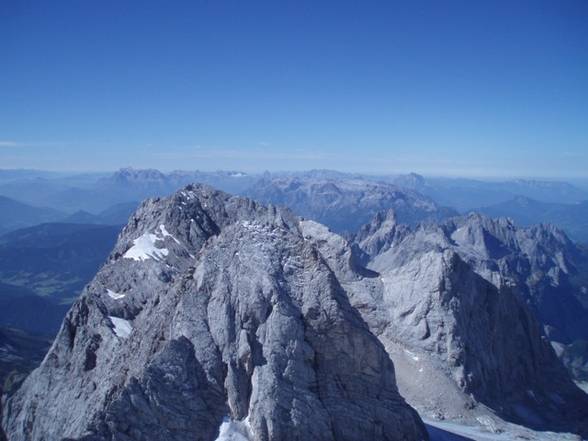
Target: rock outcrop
{"x": 213, "y": 317}
{"x": 463, "y": 347}
{"x": 539, "y": 263}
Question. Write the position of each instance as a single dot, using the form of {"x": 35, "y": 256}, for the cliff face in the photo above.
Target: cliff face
{"x": 213, "y": 316}
{"x": 539, "y": 262}
{"x": 462, "y": 346}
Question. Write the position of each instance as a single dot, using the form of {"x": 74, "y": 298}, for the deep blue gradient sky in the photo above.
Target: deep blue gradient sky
{"x": 473, "y": 88}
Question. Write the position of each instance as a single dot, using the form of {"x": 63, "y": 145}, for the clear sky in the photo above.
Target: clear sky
{"x": 486, "y": 88}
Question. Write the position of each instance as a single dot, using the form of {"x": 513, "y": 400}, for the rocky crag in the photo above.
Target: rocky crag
{"x": 213, "y": 318}
{"x": 457, "y": 312}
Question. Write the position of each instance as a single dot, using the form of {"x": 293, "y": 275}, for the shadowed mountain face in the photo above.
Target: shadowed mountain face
{"x": 44, "y": 268}
{"x": 14, "y": 215}
{"x": 55, "y": 260}
{"x": 20, "y": 353}
{"x": 213, "y": 314}
{"x": 343, "y": 203}
{"x": 23, "y": 309}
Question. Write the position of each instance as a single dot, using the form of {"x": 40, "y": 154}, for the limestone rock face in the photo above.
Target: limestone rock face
{"x": 463, "y": 347}
{"x": 539, "y": 263}
{"x": 213, "y": 314}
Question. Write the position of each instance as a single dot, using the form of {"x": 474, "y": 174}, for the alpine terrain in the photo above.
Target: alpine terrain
{"x": 455, "y": 306}
{"x": 214, "y": 318}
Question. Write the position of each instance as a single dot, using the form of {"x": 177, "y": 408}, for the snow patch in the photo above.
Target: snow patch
{"x": 114, "y": 295}
{"x": 122, "y": 327}
{"x": 231, "y": 430}
{"x": 165, "y": 233}
{"x": 144, "y": 248}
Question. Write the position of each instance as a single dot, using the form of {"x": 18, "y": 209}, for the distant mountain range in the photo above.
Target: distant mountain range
{"x": 15, "y": 215}
{"x": 468, "y": 194}
{"x": 117, "y": 214}
{"x": 572, "y": 217}
{"x": 97, "y": 192}
{"x": 344, "y": 203}
{"x": 326, "y": 195}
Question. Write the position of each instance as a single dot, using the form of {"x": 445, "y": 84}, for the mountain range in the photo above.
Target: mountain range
{"x": 324, "y": 195}
{"x": 190, "y": 285}
{"x": 572, "y": 217}
{"x": 469, "y": 194}
{"x": 97, "y": 192}
{"x": 15, "y": 215}
{"x": 216, "y": 317}
{"x": 539, "y": 263}
{"x": 344, "y": 204}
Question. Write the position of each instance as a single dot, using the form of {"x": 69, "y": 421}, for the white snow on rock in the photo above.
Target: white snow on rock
{"x": 122, "y": 327}
{"x": 165, "y": 233}
{"x": 231, "y": 430}
{"x": 114, "y": 295}
{"x": 144, "y": 248}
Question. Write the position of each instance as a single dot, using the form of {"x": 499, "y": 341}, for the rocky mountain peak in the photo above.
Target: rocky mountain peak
{"x": 214, "y": 315}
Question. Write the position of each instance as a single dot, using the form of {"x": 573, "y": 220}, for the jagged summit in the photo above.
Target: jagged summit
{"x": 212, "y": 315}
{"x": 539, "y": 262}
{"x": 462, "y": 297}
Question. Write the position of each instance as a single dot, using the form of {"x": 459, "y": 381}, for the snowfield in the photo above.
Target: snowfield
{"x": 144, "y": 248}
{"x": 122, "y": 327}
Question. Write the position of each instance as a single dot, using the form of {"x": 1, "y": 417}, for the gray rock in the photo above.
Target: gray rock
{"x": 539, "y": 263}
{"x": 462, "y": 346}
{"x": 212, "y": 314}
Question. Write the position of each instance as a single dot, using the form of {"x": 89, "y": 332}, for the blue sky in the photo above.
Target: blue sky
{"x": 496, "y": 88}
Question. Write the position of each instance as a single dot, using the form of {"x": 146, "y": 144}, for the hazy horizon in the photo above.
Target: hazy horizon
{"x": 578, "y": 180}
